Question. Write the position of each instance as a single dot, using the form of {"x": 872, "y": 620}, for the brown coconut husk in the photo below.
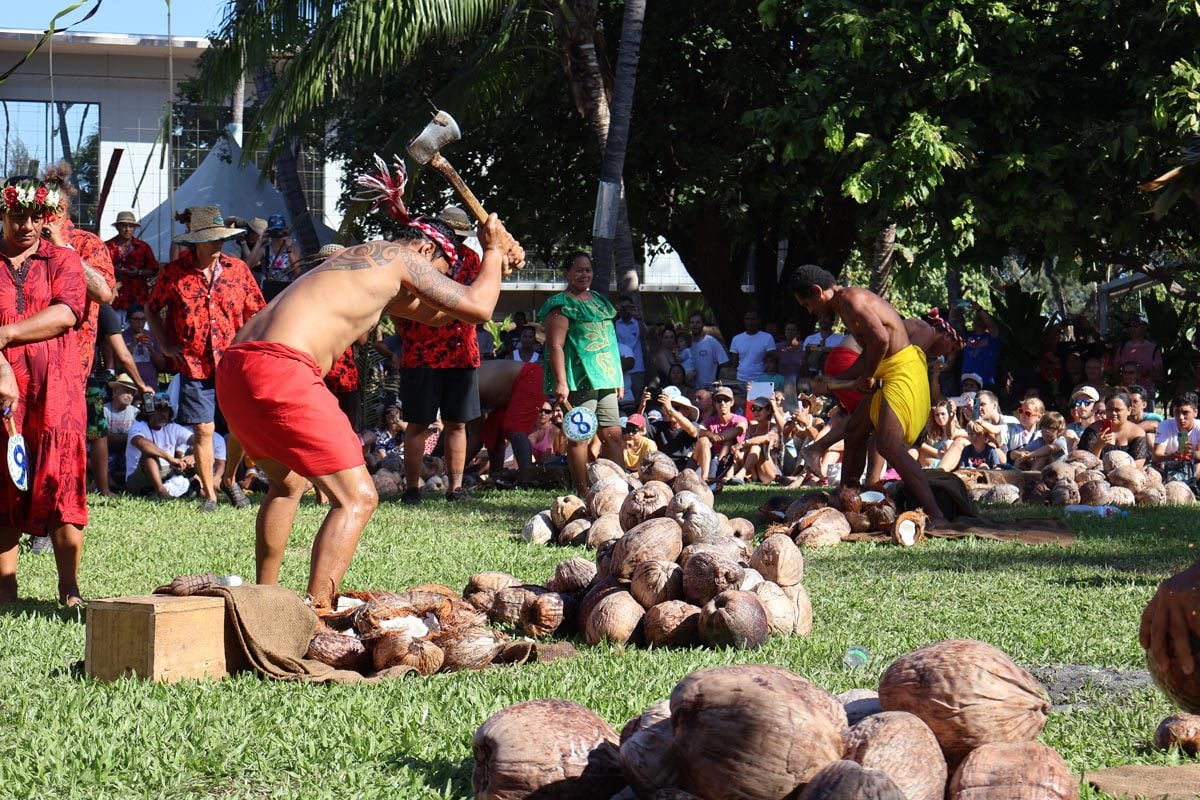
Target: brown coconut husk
{"x": 822, "y": 527}
{"x": 674, "y": 623}
{"x": 1003, "y": 771}
{"x": 658, "y": 539}
{"x": 779, "y": 560}
{"x": 575, "y": 533}
{"x": 904, "y": 747}
{"x": 909, "y": 529}
{"x": 847, "y": 780}
{"x": 1179, "y": 730}
{"x": 707, "y": 574}
{"x": 1181, "y": 689}
{"x": 859, "y": 522}
{"x": 617, "y": 618}
{"x": 340, "y": 651}
{"x": 469, "y": 648}
{"x": 482, "y": 587}
{"x": 549, "y": 614}
{"x": 567, "y": 508}
{"x": 648, "y": 502}
{"x": 734, "y": 619}
{"x": 572, "y": 576}
{"x": 656, "y": 582}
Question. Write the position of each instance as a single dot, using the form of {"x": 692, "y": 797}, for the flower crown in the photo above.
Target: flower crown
{"x": 31, "y": 196}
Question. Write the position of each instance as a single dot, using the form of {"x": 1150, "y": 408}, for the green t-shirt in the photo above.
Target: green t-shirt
{"x": 591, "y": 359}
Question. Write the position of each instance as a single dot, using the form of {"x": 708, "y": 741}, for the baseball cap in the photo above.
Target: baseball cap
{"x": 636, "y": 420}
{"x": 276, "y": 222}
{"x": 723, "y": 391}
{"x": 1088, "y": 392}
{"x": 971, "y": 376}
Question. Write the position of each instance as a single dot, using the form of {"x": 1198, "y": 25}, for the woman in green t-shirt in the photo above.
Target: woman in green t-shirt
{"x": 585, "y": 364}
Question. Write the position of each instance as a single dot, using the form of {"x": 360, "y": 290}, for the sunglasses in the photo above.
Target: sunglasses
{"x": 1084, "y": 402}
{"x": 722, "y": 399}
{"x": 757, "y": 408}
{"x": 545, "y": 410}
{"x": 1027, "y": 413}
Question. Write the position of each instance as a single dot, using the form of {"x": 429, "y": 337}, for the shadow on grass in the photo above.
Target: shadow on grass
{"x": 42, "y": 608}
{"x": 440, "y": 771}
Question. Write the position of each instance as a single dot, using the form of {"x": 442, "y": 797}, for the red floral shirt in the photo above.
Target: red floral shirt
{"x": 138, "y": 258}
{"x": 450, "y": 346}
{"x": 343, "y": 375}
{"x": 203, "y": 318}
{"x": 90, "y": 248}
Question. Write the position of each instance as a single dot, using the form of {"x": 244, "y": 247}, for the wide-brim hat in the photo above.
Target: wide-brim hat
{"x": 124, "y": 381}
{"x": 680, "y": 401}
{"x": 458, "y": 220}
{"x": 207, "y": 225}
{"x": 126, "y": 216}
{"x": 257, "y": 225}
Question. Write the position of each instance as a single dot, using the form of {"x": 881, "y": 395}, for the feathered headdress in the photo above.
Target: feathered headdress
{"x": 385, "y": 188}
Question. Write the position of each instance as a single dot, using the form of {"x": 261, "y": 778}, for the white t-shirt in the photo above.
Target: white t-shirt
{"x": 120, "y": 422}
{"x": 630, "y": 335}
{"x": 708, "y": 355}
{"x": 516, "y": 356}
{"x": 831, "y": 341}
{"x": 750, "y": 349}
{"x": 170, "y": 438}
{"x": 220, "y": 451}
{"x": 1168, "y": 435}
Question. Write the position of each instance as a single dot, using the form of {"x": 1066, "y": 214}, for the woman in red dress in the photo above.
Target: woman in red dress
{"x": 42, "y": 297}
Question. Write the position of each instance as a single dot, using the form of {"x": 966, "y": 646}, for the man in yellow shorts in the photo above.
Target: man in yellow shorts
{"x": 898, "y": 411}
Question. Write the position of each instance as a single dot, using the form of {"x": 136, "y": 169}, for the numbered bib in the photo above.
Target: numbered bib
{"x": 18, "y": 463}
{"x": 580, "y": 424}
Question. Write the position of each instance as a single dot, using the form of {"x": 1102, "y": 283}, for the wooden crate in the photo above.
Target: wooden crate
{"x": 160, "y": 637}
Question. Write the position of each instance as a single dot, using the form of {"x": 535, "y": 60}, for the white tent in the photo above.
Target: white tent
{"x": 220, "y": 180}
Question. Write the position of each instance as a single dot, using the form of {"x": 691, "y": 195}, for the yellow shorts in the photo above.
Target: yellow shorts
{"x": 905, "y": 380}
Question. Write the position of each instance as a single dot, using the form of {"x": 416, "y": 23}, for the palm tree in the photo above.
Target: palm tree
{"x": 1181, "y": 181}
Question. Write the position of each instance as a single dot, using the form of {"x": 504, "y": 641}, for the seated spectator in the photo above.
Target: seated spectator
{"x": 155, "y": 452}
{"x": 1083, "y": 413}
{"x": 1114, "y": 431}
{"x": 1177, "y": 443}
{"x": 106, "y": 455}
{"x": 1030, "y": 415}
{"x": 771, "y": 373}
{"x": 674, "y": 431}
{"x": 703, "y": 400}
{"x": 486, "y": 342}
{"x": 942, "y": 437}
{"x": 754, "y": 455}
{"x": 803, "y": 427}
{"x": 527, "y": 346}
{"x": 547, "y": 439}
{"x": 384, "y": 446}
{"x": 637, "y": 445}
{"x": 996, "y": 424}
{"x": 980, "y": 453}
{"x": 1048, "y": 446}
{"x": 970, "y": 383}
{"x": 1139, "y": 411}
{"x": 721, "y": 431}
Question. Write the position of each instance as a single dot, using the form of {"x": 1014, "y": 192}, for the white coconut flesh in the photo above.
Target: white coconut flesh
{"x": 413, "y": 626}
{"x": 872, "y": 497}
{"x": 907, "y": 531}
{"x": 347, "y": 603}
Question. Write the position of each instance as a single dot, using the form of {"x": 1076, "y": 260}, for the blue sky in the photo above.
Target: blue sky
{"x": 188, "y": 17}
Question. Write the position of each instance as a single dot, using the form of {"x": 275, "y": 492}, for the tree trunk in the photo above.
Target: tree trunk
{"x": 705, "y": 243}
{"x": 608, "y": 199}
{"x": 575, "y": 25}
{"x": 64, "y": 135}
{"x": 884, "y": 260}
{"x": 288, "y": 175}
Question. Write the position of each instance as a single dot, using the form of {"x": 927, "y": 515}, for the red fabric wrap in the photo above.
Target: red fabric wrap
{"x": 277, "y": 404}
{"x": 838, "y": 361}
{"x": 520, "y": 414}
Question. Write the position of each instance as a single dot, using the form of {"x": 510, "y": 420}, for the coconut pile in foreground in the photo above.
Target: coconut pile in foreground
{"x": 956, "y": 720}
{"x": 669, "y": 570}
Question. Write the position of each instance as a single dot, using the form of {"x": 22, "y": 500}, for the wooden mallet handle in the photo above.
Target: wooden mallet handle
{"x": 443, "y": 166}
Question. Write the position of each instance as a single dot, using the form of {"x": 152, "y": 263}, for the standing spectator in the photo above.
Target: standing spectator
{"x": 1177, "y": 444}
{"x": 42, "y": 297}
{"x": 747, "y": 349}
{"x": 708, "y": 354}
{"x": 668, "y": 354}
{"x": 206, "y": 297}
{"x": 133, "y": 262}
{"x": 106, "y": 457}
{"x": 527, "y": 347}
{"x": 721, "y": 432}
{"x": 791, "y": 352}
{"x": 981, "y": 352}
{"x": 1145, "y": 355}
{"x": 581, "y": 345}
{"x": 97, "y": 266}
{"x": 486, "y": 342}
{"x": 817, "y": 345}
{"x": 1093, "y": 374}
{"x": 631, "y": 332}
{"x": 255, "y": 230}
{"x": 677, "y": 377}
{"x": 143, "y": 346}
{"x": 280, "y": 256}
{"x": 439, "y": 379}
{"x": 511, "y": 338}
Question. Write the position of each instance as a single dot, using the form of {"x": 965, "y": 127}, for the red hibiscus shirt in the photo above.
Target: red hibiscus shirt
{"x": 90, "y": 248}
{"x": 343, "y": 375}
{"x": 450, "y": 346}
{"x": 138, "y": 257}
{"x": 203, "y": 318}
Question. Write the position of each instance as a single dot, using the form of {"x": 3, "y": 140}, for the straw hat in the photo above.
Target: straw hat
{"x": 127, "y": 216}
{"x": 123, "y": 380}
{"x": 258, "y": 225}
{"x": 207, "y": 225}
{"x": 321, "y": 255}
{"x": 458, "y": 221}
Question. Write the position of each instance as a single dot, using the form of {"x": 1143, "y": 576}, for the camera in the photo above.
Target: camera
{"x": 147, "y": 401}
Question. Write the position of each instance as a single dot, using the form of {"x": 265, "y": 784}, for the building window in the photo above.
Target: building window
{"x": 37, "y": 133}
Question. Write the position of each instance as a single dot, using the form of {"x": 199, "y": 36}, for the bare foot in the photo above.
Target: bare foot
{"x": 70, "y": 597}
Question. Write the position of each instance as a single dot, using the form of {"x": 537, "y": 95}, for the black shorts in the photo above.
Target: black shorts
{"x": 197, "y": 400}
{"x": 424, "y": 390}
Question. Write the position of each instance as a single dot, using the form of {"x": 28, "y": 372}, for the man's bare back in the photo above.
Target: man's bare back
{"x": 327, "y": 309}
{"x": 873, "y": 323}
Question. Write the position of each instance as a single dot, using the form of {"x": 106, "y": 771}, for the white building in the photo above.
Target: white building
{"x": 114, "y": 88}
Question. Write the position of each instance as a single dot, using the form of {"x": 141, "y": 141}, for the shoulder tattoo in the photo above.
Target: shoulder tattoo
{"x": 363, "y": 256}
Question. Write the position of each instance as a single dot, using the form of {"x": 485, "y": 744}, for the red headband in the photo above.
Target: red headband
{"x": 387, "y": 189}
{"x": 934, "y": 319}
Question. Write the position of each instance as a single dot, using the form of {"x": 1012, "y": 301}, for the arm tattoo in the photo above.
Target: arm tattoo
{"x": 431, "y": 285}
{"x": 96, "y": 284}
{"x": 363, "y": 256}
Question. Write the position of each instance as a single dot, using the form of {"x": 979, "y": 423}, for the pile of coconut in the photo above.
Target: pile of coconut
{"x": 956, "y": 720}
{"x": 669, "y": 571}
{"x": 426, "y": 629}
{"x": 1113, "y": 479}
{"x": 826, "y": 519}
{"x": 433, "y": 478}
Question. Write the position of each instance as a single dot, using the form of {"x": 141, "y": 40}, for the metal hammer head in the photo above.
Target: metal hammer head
{"x": 437, "y": 134}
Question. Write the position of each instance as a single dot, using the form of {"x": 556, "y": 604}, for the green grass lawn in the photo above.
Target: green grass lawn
{"x": 64, "y": 736}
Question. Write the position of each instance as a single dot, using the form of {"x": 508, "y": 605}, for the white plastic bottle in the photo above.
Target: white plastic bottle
{"x": 1099, "y": 511}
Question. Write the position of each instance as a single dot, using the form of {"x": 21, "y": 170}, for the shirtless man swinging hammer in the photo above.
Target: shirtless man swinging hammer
{"x": 270, "y": 386}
